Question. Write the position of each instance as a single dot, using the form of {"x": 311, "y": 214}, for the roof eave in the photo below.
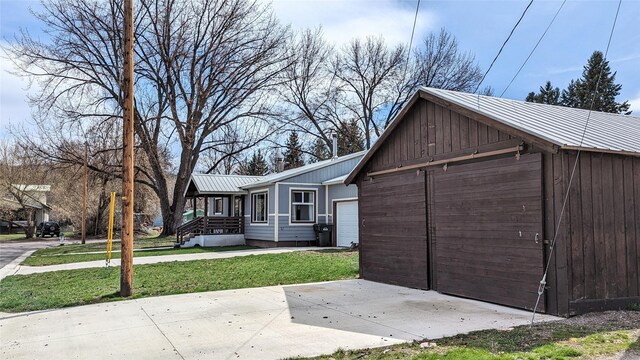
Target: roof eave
{"x": 599, "y": 150}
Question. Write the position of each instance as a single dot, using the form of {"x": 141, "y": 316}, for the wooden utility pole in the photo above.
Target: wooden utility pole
{"x": 126, "y": 268}
{"x": 84, "y": 192}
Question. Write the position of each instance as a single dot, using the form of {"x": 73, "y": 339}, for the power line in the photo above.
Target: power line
{"x": 503, "y": 45}
{"x": 534, "y": 48}
{"x": 543, "y": 282}
{"x": 413, "y": 30}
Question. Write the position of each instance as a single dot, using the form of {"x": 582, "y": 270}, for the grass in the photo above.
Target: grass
{"x": 43, "y": 258}
{"x": 566, "y": 339}
{"x": 4, "y": 237}
{"x": 85, "y": 286}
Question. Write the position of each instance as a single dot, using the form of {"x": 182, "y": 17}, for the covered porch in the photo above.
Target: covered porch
{"x": 221, "y": 201}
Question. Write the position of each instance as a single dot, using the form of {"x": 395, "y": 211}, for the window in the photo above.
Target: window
{"x": 303, "y": 208}
{"x": 217, "y": 207}
{"x": 237, "y": 206}
{"x": 259, "y": 207}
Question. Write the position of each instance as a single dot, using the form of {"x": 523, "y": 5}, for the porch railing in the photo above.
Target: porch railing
{"x": 207, "y": 225}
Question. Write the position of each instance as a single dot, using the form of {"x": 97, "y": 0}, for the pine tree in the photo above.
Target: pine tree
{"x": 257, "y": 165}
{"x": 293, "y": 155}
{"x": 319, "y": 150}
{"x": 569, "y": 96}
{"x": 350, "y": 138}
{"x": 605, "y": 98}
{"x": 547, "y": 95}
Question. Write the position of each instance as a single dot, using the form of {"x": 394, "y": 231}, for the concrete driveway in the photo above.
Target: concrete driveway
{"x": 260, "y": 323}
{"x": 13, "y": 249}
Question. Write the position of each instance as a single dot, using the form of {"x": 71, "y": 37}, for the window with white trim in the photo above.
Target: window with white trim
{"x": 259, "y": 207}
{"x": 303, "y": 207}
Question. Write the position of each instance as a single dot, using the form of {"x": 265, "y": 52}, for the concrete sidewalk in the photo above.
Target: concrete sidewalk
{"x": 24, "y": 270}
{"x": 260, "y": 323}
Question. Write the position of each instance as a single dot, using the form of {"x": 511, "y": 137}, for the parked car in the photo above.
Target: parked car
{"x": 48, "y": 228}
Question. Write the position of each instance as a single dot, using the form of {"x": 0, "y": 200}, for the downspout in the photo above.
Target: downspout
{"x": 326, "y": 205}
{"x": 277, "y": 212}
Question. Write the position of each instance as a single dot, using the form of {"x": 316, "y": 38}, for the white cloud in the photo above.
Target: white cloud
{"x": 344, "y": 20}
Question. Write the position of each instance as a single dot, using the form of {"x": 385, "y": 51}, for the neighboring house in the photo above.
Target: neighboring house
{"x": 463, "y": 194}
{"x": 31, "y": 196}
{"x": 275, "y": 210}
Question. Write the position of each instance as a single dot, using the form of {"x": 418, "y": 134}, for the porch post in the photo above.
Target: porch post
{"x": 206, "y": 205}
{"x": 193, "y": 201}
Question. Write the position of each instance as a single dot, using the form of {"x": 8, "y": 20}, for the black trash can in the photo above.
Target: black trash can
{"x": 323, "y": 234}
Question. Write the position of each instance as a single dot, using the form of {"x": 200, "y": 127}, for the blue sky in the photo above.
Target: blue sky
{"x": 480, "y": 27}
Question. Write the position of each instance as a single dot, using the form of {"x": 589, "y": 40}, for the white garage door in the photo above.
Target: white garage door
{"x": 347, "y": 223}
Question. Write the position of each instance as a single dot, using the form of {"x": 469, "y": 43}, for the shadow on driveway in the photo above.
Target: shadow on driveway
{"x": 396, "y": 312}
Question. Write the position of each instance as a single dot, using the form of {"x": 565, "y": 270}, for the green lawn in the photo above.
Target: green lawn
{"x": 592, "y": 336}
{"x": 42, "y": 257}
{"x": 85, "y": 286}
{"x": 11, "y": 237}
{"x": 59, "y": 254}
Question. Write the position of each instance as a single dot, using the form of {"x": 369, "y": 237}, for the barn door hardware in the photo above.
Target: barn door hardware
{"x": 474, "y": 155}
{"x": 537, "y": 238}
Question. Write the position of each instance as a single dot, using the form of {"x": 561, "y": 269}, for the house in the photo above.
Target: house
{"x": 464, "y": 194}
{"x": 26, "y": 197}
{"x": 276, "y": 210}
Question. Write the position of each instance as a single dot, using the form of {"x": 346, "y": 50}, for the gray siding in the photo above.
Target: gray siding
{"x": 260, "y": 231}
{"x": 299, "y": 232}
{"x": 337, "y": 192}
{"x": 284, "y": 190}
{"x": 327, "y": 173}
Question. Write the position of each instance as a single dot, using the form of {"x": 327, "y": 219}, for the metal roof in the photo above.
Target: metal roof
{"x": 560, "y": 125}
{"x": 221, "y": 184}
{"x": 338, "y": 180}
{"x": 276, "y": 177}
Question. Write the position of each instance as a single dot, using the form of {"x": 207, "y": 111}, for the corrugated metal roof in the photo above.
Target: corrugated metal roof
{"x": 338, "y": 180}
{"x": 273, "y": 178}
{"x": 222, "y": 184}
{"x": 560, "y": 125}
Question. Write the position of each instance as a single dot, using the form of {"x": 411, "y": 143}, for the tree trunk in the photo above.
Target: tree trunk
{"x": 30, "y": 229}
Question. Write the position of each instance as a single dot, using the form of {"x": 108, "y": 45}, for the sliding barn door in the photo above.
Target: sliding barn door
{"x": 487, "y": 230}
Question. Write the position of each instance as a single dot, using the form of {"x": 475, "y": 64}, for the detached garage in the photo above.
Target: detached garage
{"x": 464, "y": 194}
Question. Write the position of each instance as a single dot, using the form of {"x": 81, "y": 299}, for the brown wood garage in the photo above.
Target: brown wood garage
{"x": 463, "y": 194}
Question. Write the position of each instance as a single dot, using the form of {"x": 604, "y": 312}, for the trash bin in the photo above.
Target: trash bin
{"x": 323, "y": 234}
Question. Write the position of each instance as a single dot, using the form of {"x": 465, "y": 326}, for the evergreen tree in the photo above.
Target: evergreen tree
{"x": 579, "y": 93}
{"x": 319, "y": 150}
{"x": 569, "y": 96}
{"x": 547, "y": 95}
{"x": 257, "y": 165}
{"x": 350, "y": 138}
{"x": 293, "y": 155}
{"x": 605, "y": 98}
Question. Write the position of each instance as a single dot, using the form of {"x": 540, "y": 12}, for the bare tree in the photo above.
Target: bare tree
{"x": 201, "y": 65}
{"x": 372, "y": 74}
{"x": 311, "y": 90}
{"x": 21, "y": 180}
{"x": 223, "y": 153}
{"x": 440, "y": 64}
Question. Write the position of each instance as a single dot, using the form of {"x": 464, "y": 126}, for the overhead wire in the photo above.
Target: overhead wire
{"x": 534, "y": 49}
{"x": 413, "y": 30}
{"x": 543, "y": 282}
{"x": 503, "y": 45}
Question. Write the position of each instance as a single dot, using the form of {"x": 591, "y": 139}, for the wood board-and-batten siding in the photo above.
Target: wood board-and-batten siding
{"x": 602, "y": 225}
{"x": 587, "y": 271}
